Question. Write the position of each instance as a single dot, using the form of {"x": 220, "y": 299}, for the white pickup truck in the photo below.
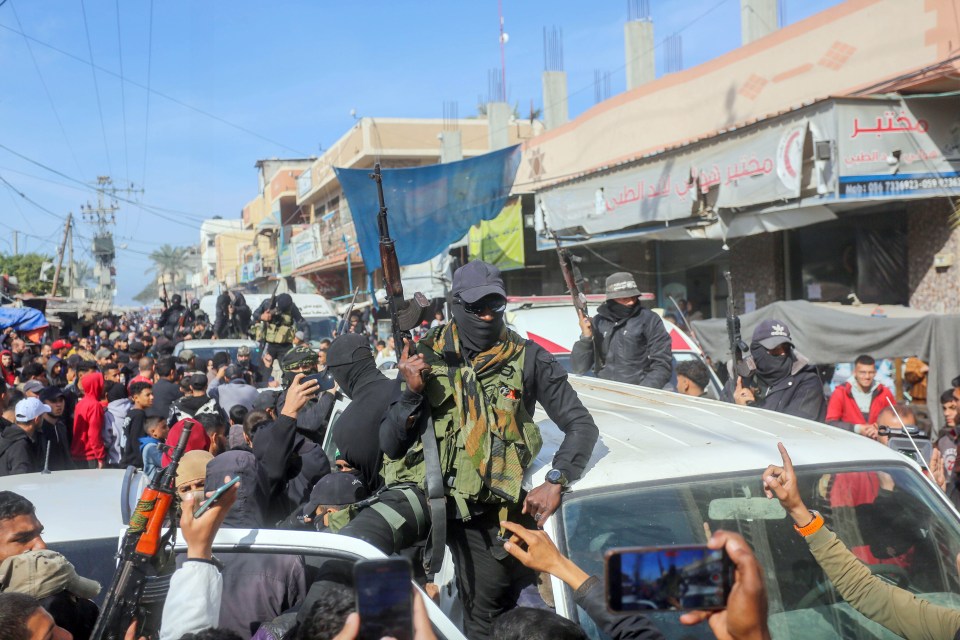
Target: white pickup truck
{"x": 665, "y": 466}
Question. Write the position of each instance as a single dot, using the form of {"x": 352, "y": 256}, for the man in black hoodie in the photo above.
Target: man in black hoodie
{"x": 21, "y": 449}
{"x": 784, "y": 380}
{"x": 357, "y": 430}
{"x": 636, "y": 347}
{"x": 55, "y": 429}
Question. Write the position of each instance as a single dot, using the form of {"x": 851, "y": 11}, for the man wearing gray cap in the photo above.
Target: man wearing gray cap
{"x": 635, "y": 345}
{"x": 21, "y": 450}
{"x": 784, "y": 380}
{"x": 462, "y": 431}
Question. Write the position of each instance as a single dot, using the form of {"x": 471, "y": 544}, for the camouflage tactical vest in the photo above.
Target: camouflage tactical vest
{"x": 280, "y": 330}
{"x": 462, "y": 480}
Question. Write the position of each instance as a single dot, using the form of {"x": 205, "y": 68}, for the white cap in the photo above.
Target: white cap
{"x": 29, "y": 409}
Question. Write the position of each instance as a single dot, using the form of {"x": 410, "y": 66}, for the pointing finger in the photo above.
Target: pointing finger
{"x": 787, "y": 462}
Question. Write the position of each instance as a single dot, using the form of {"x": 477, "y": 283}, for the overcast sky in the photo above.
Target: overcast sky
{"x": 233, "y": 82}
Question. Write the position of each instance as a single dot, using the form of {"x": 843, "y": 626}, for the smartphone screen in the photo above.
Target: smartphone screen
{"x": 209, "y": 502}
{"x": 679, "y": 578}
{"x": 384, "y": 598}
{"x": 325, "y": 379}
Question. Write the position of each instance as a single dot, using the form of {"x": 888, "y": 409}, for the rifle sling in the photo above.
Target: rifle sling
{"x": 436, "y": 498}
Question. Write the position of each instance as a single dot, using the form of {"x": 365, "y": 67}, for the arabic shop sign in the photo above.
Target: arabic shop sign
{"x": 890, "y": 148}
{"x": 757, "y": 167}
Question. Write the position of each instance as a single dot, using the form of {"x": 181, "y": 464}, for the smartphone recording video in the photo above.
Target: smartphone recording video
{"x": 384, "y": 598}
{"x": 679, "y": 578}
{"x": 325, "y": 379}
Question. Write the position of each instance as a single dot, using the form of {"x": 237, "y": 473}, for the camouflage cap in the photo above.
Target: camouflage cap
{"x": 298, "y": 357}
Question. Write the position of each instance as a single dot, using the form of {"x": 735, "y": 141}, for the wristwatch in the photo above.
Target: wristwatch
{"x": 812, "y": 527}
{"x": 555, "y": 476}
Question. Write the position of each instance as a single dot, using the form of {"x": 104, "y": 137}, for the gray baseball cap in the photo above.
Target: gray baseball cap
{"x": 772, "y": 333}
{"x": 621, "y": 285}
{"x": 477, "y": 279}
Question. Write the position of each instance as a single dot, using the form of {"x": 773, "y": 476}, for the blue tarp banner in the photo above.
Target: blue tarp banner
{"x": 25, "y": 319}
{"x": 428, "y": 208}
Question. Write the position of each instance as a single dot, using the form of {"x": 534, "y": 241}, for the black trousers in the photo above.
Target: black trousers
{"x": 489, "y": 580}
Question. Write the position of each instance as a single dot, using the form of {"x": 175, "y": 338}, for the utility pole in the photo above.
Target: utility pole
{"x": 63, "y": 247}
{"x": 16, "y": 236}
{"x": 71, "y": 273}
{"x": 103, "y": 215}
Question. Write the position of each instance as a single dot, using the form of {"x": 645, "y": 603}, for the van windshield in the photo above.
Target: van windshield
{"x": 886, "y": 515}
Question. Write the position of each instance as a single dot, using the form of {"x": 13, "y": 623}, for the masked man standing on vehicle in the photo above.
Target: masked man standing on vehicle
{"x": 170, "y": 318}
{"x": 472, "y": 387}
{"x": 635, "y": 347}
{"x": 784, "y": 381}
{"x": 276, "y": 325}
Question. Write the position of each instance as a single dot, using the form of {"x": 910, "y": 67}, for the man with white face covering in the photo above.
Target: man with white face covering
{"x": 784, "y": 381}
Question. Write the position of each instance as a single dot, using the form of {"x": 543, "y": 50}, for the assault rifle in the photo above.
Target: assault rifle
{"x": 743, "y": 364}
{"x": 145, "y": 551}
{"x": 165, "y": 300}
{"x": 571, "y": 274}
{"x": 404, "y": 316}
{"x": 263, "y": 323}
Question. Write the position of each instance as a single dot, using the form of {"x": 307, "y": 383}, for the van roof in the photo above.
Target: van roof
{"x": 648, "y": 434}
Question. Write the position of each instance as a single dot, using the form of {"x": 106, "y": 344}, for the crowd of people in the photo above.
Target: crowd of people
{"x": 432, "y": 459}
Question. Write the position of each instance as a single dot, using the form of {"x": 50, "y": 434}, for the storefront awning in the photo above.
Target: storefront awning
{"x": 325, "y": 264}
{"x": 792, "y": 171}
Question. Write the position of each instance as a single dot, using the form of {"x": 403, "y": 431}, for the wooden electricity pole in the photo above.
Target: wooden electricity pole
{"x": 63, "y": 248}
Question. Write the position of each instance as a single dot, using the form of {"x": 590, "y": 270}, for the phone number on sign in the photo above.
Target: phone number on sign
{"x": 884, "y": 187}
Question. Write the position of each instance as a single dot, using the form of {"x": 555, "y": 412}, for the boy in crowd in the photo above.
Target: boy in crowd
{"x": 149, "y": 445}
{"x": 141, "y": 393}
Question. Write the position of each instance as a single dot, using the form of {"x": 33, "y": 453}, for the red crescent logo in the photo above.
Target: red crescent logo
{"x": 786, "y": 155}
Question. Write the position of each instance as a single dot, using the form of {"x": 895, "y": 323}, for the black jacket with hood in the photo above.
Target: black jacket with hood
{"x": 292, "y": 464}
{"x": 19, "y": 453}
{"x": 636, "y": 348}
{"x": 257, "y": 587}
{"x": 797, "y": 393}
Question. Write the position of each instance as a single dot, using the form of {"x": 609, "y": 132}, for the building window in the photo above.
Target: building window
{"x": 863, "y": 254}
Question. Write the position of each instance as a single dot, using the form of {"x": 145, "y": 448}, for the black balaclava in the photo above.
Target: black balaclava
{"x": 284, "y": 302}
{"x": 476, "y": 335}
{"x": 351, "y": 363}
{"x": 621, "y": 311}
{"x": 175, "y": 299}
{"x": 239, "y": 301}
{"x": 770, "y": 368}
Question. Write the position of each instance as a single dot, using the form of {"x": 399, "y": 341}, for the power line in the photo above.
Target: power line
{"x": 31, "y": 201}
{"x": 96, "y": 85}
{"x": 46, "y": 89}
{"x": 123, "y": 96}
{"x": 157, "y": 93}
{"x": 146, "y": 124}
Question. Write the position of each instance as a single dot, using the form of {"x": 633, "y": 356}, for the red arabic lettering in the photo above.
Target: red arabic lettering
{"x": 891, "y": 122}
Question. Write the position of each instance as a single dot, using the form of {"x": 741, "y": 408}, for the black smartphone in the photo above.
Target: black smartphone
{"x": 212, "y": 500}
{"x": 676, "y": 578}
{"x": 325, "y": 379}
{"x": 384, "y": 591}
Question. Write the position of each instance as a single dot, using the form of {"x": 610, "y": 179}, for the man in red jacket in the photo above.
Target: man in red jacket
{"x": 87, "y": 447}
{"x": 856, "y": 404}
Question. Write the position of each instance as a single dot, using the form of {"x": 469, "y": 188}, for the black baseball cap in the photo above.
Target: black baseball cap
{"x": 334, "y": 490}
{"x": 477, "y": 279}
{"x": 772, "y": 333}
{"x": 51, "y": 393}
{"x": 265, "y": 400}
